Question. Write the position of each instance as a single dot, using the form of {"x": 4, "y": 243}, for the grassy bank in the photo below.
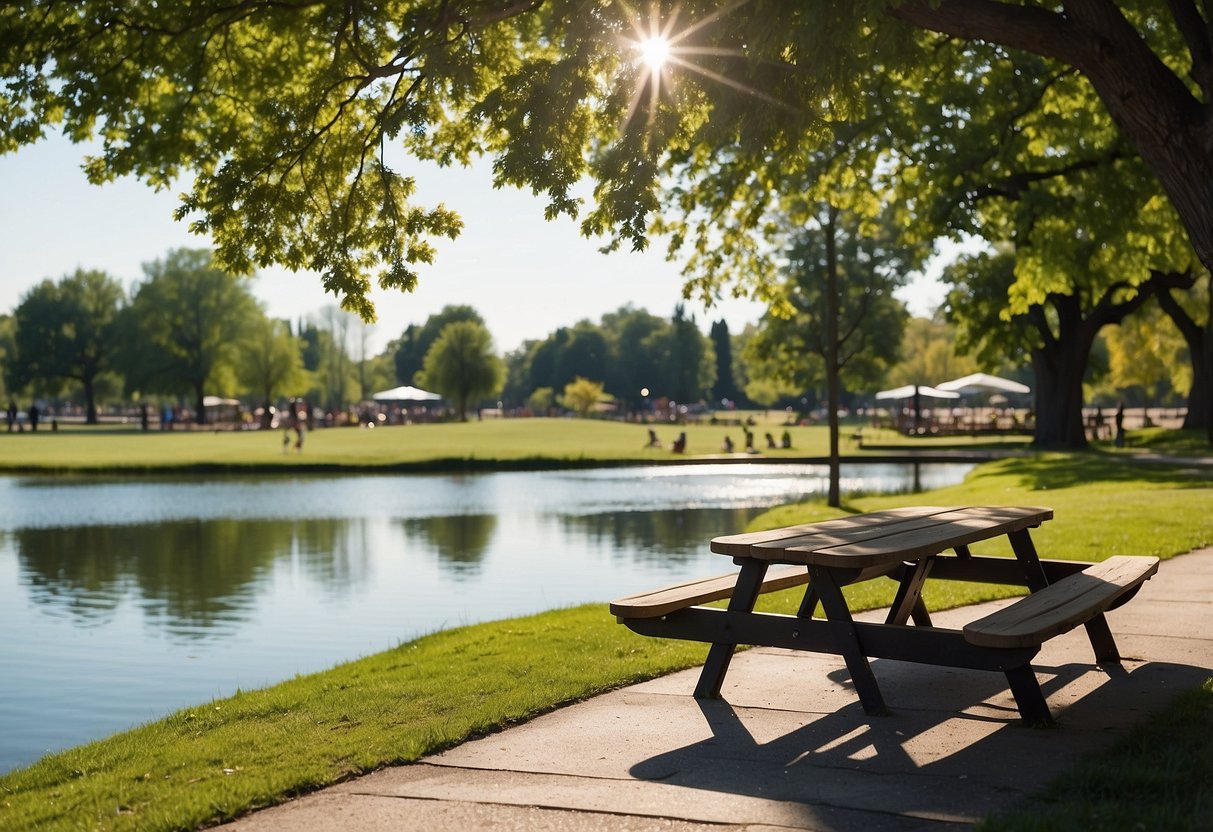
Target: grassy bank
{"x": 219, "y": 759}
{"x": 499, "y": 442}
{"x": 495, "y": 443}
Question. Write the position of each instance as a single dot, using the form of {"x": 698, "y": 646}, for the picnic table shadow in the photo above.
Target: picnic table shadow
{"x": 952, "y": 750}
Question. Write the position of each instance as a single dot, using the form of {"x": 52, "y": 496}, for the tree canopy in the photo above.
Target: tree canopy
{"x": 184, "y": 327}
{"x": 461, "y": 365}
{"x": 279, "y": 115}
{"x": 66, "y": 331}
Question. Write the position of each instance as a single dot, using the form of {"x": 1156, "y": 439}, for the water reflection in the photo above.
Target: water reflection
{"x": 134, "y": 597}
{"x": 194, "y": 580}
{"x": 460, "y": 542}
{"x": 670, "y": 538}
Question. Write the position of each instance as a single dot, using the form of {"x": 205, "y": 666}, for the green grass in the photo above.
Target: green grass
{"x": 491, "y": 443}
{"x": 1161, "y": 440}
{"x": 212, "y": 762}
{"x": 1158, "y": 777}
{"x": 889, "y": 439}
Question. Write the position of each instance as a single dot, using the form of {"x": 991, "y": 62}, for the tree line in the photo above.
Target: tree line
{"x": 189, "y": 329}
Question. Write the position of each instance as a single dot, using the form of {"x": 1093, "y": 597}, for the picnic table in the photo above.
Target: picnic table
{"x": 910, "y": 546}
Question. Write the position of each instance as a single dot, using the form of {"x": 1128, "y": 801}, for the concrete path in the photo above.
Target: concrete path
{"x": 789, "y": 746}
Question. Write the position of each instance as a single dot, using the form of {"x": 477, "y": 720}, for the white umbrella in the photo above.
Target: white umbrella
{"x": 916, "y": 392}
{"x": 984, "y": 383}
{"x": 406, "y": 393}
{"x": 909, "y": 391}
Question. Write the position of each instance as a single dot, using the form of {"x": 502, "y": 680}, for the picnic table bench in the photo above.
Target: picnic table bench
{"x": 908, "y": 545}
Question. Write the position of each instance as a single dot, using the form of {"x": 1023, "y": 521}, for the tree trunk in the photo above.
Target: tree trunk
{"x": 1059, "y": 371}
{"x": 834, "y": 497}
{"x": 1061, "y": 362}
{"x": 90, "y": 401}
{"x": 1200, "y": 397}
{"x": 199, "y": 409}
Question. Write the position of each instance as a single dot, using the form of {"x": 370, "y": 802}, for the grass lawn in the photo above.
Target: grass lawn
{"x": 222, "y": 758}
{"x": 490, "y": 443}
{"x": 1159, "y": 776}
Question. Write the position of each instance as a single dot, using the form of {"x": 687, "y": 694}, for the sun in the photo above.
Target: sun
{"x": 654, "y": 51}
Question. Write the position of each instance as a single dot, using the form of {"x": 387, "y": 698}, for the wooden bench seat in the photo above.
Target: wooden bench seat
{"x": 1063, "y": 605}
{"x": 659, "y": 602}
{"x": 668, "y": 599}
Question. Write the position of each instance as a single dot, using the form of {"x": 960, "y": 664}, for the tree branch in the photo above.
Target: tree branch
{"x": 1195, "y": 31}
{"x": 1029, "y": 28}
{"x": 1014, "y": 186}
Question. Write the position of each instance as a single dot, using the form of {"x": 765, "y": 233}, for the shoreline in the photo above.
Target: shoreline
{"x": 463, "y": 465}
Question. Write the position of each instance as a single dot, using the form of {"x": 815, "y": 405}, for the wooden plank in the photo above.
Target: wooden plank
{"x": 659, "y": 602}
{"x": 1062, "y": 606}
{"x": 920, "y": 538}
{"x": 804, "y": 549}
{"x": 838, "y": 530}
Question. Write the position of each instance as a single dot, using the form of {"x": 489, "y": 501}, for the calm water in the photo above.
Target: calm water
{"x": 123, "y": 600}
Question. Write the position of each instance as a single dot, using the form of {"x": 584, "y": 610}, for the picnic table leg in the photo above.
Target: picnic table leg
{"x": 908, "y": 601}
{"x": 745, "y": 595}
{"x": 1029, "y": 561}
{"x": 1028, "y": 696}
{"x": 808, "y": 604}
{"x": 1101, "y": 640}
{"x": 846, "y": 638}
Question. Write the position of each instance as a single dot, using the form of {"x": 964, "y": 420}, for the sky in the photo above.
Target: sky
{"x": 524, "y": 275}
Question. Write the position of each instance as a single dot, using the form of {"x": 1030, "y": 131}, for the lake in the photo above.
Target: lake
{"x": 122, "y": 600}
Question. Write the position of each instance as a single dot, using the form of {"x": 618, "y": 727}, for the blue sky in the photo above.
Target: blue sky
{"x": 524, "y": 275}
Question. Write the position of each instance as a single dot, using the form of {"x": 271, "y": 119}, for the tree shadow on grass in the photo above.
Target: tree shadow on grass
{"x": 1058, "y": 471}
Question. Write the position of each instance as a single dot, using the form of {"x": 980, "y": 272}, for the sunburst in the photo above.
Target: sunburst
{"x": 661, "y": 46}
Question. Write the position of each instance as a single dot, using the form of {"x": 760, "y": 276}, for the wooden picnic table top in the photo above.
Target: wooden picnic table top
{"x": 882, "y": 537}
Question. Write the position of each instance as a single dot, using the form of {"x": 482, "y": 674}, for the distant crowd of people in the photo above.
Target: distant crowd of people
{"x": 679, "y": 445}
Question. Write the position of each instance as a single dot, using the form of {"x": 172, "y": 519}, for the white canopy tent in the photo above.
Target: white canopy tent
{"x": 983, "y": 383}
{"x": 910, "y": 391}
{"x": 407, "y": 393}
{"x": 916, "y": 392}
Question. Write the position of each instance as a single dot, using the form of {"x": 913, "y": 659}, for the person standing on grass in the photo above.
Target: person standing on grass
{"x": 33, "y": 417}
{"x": 1120, "y": 425}
{"x": 11, "y": 414}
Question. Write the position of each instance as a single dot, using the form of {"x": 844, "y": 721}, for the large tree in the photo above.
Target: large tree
{"x": 1044, "y": 174}
{"x": 462, "y": 366}
{"x": 66, "y": 331}
{"x": 411, "y": 347}
{"x": 837, "y": 320}
{"x": 184, "y": 327}
{"x": 1055, "y": 331}
{"x": 282, "y": 112}
{"x": 271, "y": 362}
{"x": 725, "y": 389}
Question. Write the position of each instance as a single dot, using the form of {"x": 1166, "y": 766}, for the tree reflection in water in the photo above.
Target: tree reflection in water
{"x": 461, "y": 542}
{"x": 672, "y": 537}
{"x": 195, "y": 579}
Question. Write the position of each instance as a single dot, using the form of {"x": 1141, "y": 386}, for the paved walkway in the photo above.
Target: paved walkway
{"x": 789, "y": 747}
